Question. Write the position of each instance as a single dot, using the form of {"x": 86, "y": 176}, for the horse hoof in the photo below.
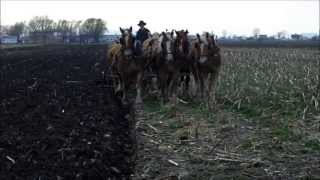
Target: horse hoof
{"x": 125, "y": 102}
{"x": 138, "y": 101}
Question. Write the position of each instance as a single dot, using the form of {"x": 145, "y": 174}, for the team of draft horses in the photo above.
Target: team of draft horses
{"x": 173, "y": 58}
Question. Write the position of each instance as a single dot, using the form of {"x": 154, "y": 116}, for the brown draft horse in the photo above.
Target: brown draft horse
{"x": 208, "y": 64}
{"x": 182, "y": 54}
{"x": 126, "y": 66}
{"x": 159, "y": 49}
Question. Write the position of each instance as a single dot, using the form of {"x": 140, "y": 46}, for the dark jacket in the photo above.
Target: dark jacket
{"x": 142, "y": 34}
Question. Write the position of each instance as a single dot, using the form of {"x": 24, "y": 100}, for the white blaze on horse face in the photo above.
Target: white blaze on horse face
{"x": 169, "y": 52}
{"x": 168, "y": 46}
{"x": 126, "y": 32}
{"x": 180, "y": 47}
{"x": 202, "y": 46}
{"x": 203, "y": 56}
{"x": 159, "y": 44}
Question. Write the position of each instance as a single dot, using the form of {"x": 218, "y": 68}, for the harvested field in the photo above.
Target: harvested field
{"x": 266, "y": 126}
{"x": 59, "y": 120}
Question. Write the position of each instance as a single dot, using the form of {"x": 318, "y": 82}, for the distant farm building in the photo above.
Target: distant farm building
{"x": 263, "y": 37}
{"x": 8, "y": 39}
{"x": 109, "y": 38}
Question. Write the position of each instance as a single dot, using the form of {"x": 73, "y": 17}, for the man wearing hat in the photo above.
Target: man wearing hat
{"x": 142, "y": 34}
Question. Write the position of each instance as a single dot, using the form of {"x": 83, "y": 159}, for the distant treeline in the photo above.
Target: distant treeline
{"x": 44, "y": 29}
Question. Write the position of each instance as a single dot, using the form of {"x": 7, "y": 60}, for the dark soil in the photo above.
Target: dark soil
{"x": 59, "y": 119}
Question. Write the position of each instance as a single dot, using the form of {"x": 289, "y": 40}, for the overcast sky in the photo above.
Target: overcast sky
{"x": 236, "y": 17}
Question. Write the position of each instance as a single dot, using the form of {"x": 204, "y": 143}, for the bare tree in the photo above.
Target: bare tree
{"x": 224, "y": 33}
{"x": 93, "y": 28}
{"x": 41, "y": 27}
{"x": 296, "y": 36}
{"x": 4, "y": 30}
{"x": 256, "y": 33}
{"x": 282, "y": 34}
{"x": 17, "y": 30}
{"x": 66, "y": 29}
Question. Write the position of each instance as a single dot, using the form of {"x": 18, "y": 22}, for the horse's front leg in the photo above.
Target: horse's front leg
{"x": 124, "y": 87}
{"x": 212, "y": 87}
{"x": 173, "y": 87}
{"x": 201, "y": 85}
{"x": 139, "y": 87}
{"x": 163, "y": 88}
{"x": 208, "y": 93}
{"x": 196, "y": 76}
{"x": 186, "y": 88}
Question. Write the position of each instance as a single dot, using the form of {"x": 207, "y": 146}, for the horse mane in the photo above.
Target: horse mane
{"x": 155, "y": 35}
{"x": 115, "y": 49}
{"x": 150, "y": 45}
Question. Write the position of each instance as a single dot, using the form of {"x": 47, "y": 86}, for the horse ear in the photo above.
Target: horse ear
{"x": 198, "y": 36}
{"x": 187, "y": 31}
{"x": 130, "y": 29}
{"x": 207, "y": 35}
{"x": 177, "y": 33}
{"x": 121, "y": 30}
{"x": 121, "y": 40}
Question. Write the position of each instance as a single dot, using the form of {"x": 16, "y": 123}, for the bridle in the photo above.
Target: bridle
{"x": 167, "y": 52}
{"x": 127, "y": 46}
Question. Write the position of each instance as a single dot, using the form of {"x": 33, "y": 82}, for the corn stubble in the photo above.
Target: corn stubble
{"x": 282, "y": 81}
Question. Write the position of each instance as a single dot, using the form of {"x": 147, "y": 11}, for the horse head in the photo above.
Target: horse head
{"x": 127, "y": 42}
{"x": 182, "y": 41}
{"x": 167, "y": 45}
{"x": 206, "y": 46}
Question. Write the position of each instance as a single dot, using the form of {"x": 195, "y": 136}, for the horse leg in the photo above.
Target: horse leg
{"x": 139, "y": 87}
{"x": 186, "y": 88}
{"x": 173, "y": 86}
{"x": 162, "y": 83}
{"x": 196, "y": 75}
{"x": 124, "y": 88}
{"x": 201, "y": 85}
{"x": 117, "y": 84}
{"x": 164, "y": 86}
{"x": 212, "y": 86}
{"x": 208, "y": 85}
{"x": 154, "y": 83}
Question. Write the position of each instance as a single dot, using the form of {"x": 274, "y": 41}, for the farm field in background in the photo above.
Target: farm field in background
{"x": 266, "y": 124}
